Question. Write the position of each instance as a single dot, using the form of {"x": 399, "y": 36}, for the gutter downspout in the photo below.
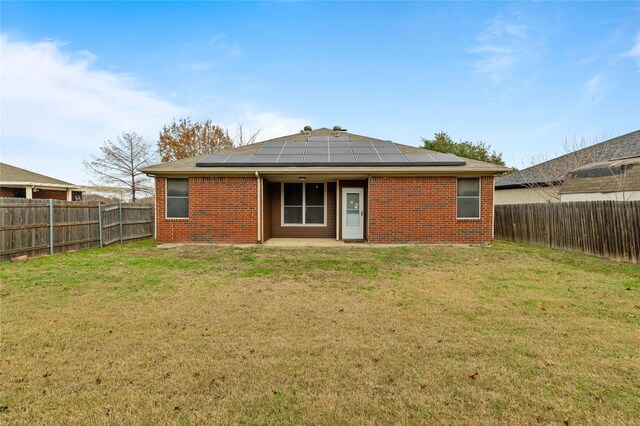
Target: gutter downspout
{"x": 259, "y": 206}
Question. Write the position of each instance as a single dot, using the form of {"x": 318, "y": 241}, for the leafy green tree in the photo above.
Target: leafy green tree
{"x": 442, "y": 142}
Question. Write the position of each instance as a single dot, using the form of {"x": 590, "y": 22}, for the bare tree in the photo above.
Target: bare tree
{"x": 546, "y": 176}
{"x": 241, "y": 137}
{"x": 120, "y": 163}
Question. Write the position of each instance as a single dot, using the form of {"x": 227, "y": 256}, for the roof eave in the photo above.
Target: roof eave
{"x": 237, "y": 171}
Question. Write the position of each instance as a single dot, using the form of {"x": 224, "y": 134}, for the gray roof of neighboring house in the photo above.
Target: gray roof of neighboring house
{"x": 11, "y": 174}
{"x": 187, "y": 166}
{"x": 604, "y": 176}
{"x": 554, "y": 170}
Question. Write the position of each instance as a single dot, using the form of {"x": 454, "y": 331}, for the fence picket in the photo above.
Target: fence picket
{"x": 603, "y": 228}
{"x": 26, "y": 227}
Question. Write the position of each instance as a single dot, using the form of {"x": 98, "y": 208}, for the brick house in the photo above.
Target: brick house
{"x": 20, "y": 183}
{"x": 325, "y": 183}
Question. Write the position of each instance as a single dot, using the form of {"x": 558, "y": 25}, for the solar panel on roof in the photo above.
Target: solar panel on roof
{"x": 368, "y": 158}
{"x": 394, "y": 158}
{"x": 339, "y": 140}
{"x": 382, "y": 143}
{"x": 293, "y": 150}
{"x": 273, "y": 144}
{"x": 387, "y": 149}
{"x": 316, "y": 158}
{"x": 317, "y": 138}
{"x": 264, "y": 159}
{"x": 272, "y": 151}
{"x": 341, "y": 158}
{"x": 364, "y": 150}
{"x": 290, "y": 158}
{"x": 340, "y": 150}
{"x": 239, "y": 159}
{"x": 327, "y": 151}
{"x": 312, "y": 151}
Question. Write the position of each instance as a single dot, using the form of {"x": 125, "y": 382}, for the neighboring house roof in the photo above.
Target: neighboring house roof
{"x": 553, "y": 171}
{"x": 603, "y": 177}
{"x": 188, "y": 166}
{"x": 15, "y": 176}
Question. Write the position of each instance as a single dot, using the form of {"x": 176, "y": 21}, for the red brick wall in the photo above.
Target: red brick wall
{"x": 7, "y": 192}
{"x": 221, "y": 210}
{"x": 423, "y": 210}
{"x": 42, "y": 194}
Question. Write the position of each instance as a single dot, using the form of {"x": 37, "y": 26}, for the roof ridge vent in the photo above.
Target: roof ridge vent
{"x": 306, "y": 130}
{"x": 337, "y": 130}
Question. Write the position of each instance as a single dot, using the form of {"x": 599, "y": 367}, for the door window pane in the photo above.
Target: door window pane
{"x": 293, "y": 215}
{"x": 353, "y": 201}
{"x": 292, "y": 194}
{"x": 353, "y": 217}
{"x": 314, "y": 194}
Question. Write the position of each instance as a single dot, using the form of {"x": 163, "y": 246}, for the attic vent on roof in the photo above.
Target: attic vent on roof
{"x": 307, "y": 130}
{"x": 337, "y": 130}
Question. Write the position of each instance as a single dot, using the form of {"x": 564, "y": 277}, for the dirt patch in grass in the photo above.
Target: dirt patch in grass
{"x": 502, "y": 334}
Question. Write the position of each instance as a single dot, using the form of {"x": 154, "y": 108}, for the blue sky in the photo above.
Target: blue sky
{"x": 522, "y": 77}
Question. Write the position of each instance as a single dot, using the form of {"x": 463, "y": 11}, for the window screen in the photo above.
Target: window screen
{"x": 177, "y": 198}
{"x": 468, "y": 198}
{"x": 303, "y": 203}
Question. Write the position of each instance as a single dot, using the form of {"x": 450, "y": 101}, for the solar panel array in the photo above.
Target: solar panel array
{"x": 329, "y": 151}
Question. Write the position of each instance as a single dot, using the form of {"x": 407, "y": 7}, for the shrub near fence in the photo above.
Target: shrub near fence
{"x": 603, "y": 228}
{"x": 28, "y": 227}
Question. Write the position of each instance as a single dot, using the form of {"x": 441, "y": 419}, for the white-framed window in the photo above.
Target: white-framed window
{"x": 304, "y": 204}
{"x": 468, "y": 198}
{"x": 177, "y": 198}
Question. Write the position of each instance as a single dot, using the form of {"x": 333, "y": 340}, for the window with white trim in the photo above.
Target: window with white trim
{"x": 468, "y": 198}
{"x": 303, "y": 203}
{"x": 178, "y": 198}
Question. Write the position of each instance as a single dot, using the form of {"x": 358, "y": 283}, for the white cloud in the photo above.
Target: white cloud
{"x": 271, "y": 124}
{"x": 634, "y": 52}
{"x": 57, "y": 108}
{"x": 501, "y": 46}
{"x": 594, "y": 89}
{"x": 56, "y": 105}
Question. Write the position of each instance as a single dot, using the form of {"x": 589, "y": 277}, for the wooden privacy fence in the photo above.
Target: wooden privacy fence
{"x": 39, "y": 227}
{"x": 603, "y": 228}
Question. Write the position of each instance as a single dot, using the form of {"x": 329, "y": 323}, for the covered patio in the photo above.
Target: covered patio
{"x": 313, "y": 207}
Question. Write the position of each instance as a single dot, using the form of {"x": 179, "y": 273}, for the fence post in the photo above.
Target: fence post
{"x": 50, "y": 226}
{"x": 100, "y": 222}
{"x": 120, "y": 213}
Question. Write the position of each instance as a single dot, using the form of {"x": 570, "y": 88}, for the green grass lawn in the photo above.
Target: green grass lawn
{"x": 508, "y": 334}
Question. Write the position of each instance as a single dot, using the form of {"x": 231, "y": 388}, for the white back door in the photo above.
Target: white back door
{"x": 352, "y": 213}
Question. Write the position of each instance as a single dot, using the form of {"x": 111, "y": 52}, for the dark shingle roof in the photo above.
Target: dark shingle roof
{"x": 187, "y": 166}
{"x": 9, "y": 173}
{"x": 604, "y": 176}
{"x": 554, "y": 170}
